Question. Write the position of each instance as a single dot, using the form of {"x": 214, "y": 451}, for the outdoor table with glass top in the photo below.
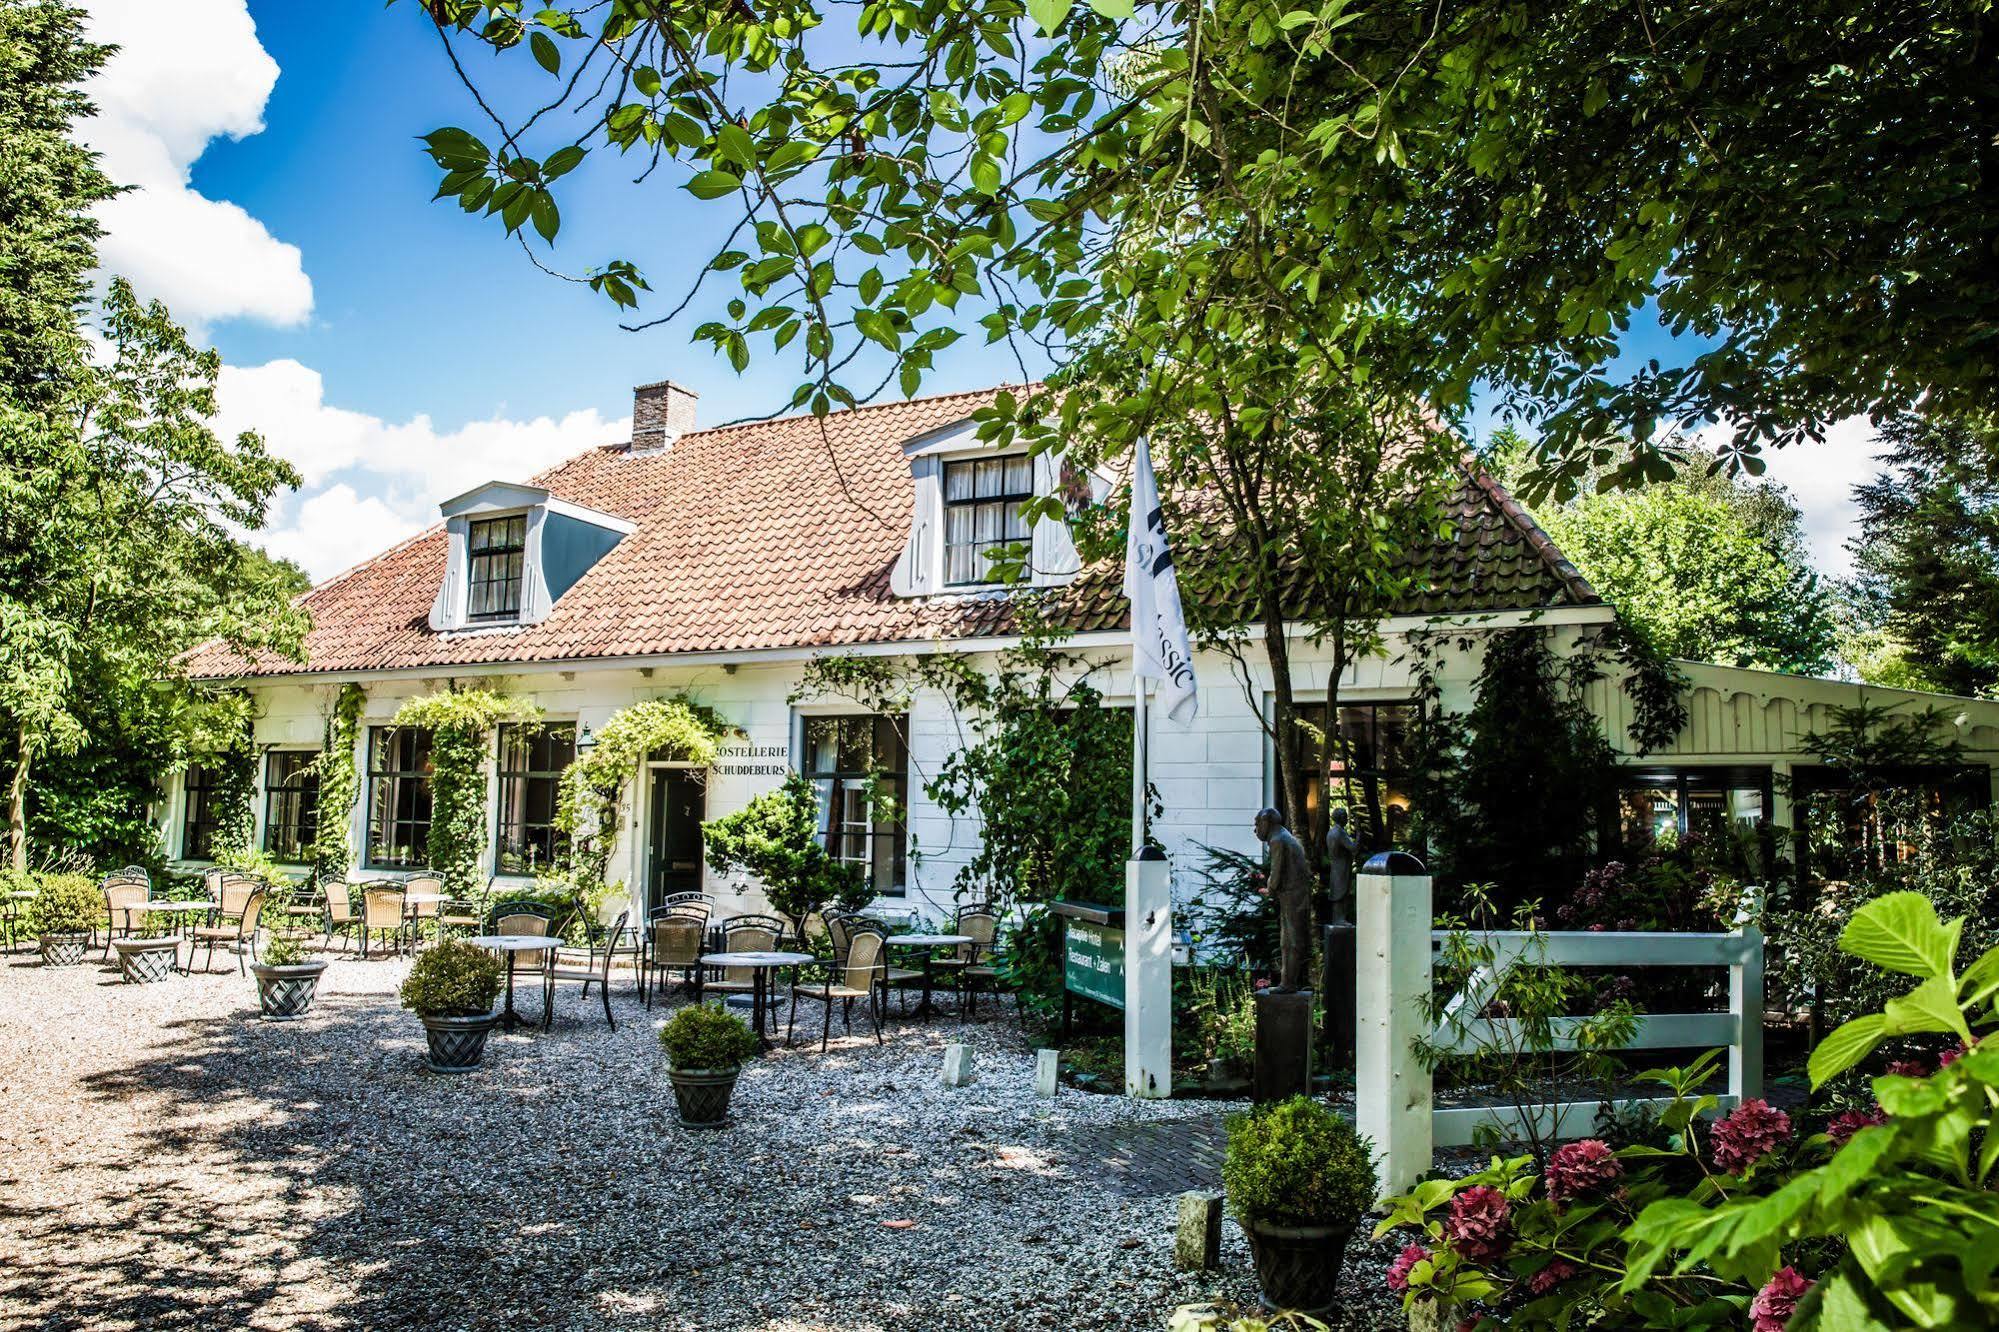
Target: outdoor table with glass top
{"x": 512, "y": 944}
{"x": 929, "y": 943}
{"x": 760, "y": 965}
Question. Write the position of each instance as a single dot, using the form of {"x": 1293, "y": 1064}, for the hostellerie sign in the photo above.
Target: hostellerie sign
{"x": 1093, "y": 963}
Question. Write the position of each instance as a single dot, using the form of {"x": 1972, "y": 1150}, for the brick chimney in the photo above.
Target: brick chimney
{"x": 661, "y": 413}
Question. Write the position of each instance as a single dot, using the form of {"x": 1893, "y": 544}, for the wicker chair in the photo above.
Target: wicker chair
{"x": 124, "y": 907}
{"x": 233, "y": 896}
{"x": 382, "y": 913}
{"x": 745, "y": 934}
{"x": 979, "y": 923}
{"x": 461, "y": 913}
{"x": 338, "y": 907}
{"x": 416, "y": 913}
{"x": 861, "y": 976}
{"x": 241, "y": 930}
{"x": 674, "y": 942}
{"x": 597, "y": 970}
{"x": 521, "y": 918}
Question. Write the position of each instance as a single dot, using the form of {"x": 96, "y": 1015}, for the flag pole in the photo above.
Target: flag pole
{"x": 1141, "y": 725}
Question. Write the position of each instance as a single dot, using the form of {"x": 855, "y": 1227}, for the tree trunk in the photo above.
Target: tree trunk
{"x": 17, "y": 804}
{"x": 1290, "y": 768}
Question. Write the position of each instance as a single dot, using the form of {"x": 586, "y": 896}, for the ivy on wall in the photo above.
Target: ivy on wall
{"x": 339, "y": 785}
{"x": 590, "y": 808}
{"x": 224, "y": 739}
{"x": 460, "y": 723}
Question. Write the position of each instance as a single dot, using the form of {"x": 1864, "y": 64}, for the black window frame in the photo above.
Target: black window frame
{"x": 836, "y": 784}
{"x": 511, "y": 553}
{"x": 511, "y": 823}
{"x": 1008, "y": 502}
{"x": 414, "y": 778}
{"x": 1380, "y": 778}
{"x": 301, "y": 785}
{"x": 199, "y": 817}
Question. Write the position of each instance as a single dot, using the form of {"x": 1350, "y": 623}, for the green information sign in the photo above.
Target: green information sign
{"x": 1094, "y": 963}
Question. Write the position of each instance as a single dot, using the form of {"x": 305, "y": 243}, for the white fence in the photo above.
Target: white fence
{"x": 1395, "y": 951}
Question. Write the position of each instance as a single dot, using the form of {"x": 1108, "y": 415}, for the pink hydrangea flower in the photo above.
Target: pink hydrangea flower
{"x": 1551, "y": 1276}
{"x": 1949, "y": 1057}
{"x": 1774, "y": 1304}
{"x": 1480, "y": 1224}
{"x": 1909, "y": 1068}
{"x": 1841, "y": 1127}
{"x": 1754, "y": 1130}
{"x": 1405, "y": 1263}
{"x": 1579, "y": 1169}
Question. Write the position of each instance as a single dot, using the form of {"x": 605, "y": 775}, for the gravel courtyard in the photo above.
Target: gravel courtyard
{"x": 167, "y": 1160}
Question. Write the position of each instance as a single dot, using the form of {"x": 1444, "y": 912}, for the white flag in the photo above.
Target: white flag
{"x": 1158, "y": 624}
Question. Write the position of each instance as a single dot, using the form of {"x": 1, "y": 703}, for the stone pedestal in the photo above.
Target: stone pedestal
{"x": 1337, "y": 985}
{"x": 1283, "y": 1045}
{"x": 1197, "y": 1235}
{"x": 1047, "y": 1071}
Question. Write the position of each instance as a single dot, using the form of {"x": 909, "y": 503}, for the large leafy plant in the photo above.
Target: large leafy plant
{"x": 776, "y": 838}
{"x": 1889, "y": 1218}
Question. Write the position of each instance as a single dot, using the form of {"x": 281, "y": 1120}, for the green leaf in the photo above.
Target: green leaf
{"x": 547, "y": 220}
{"x": 1901, "y": 932}
{"x": 734, "y": 144}
{"x": 713, "y": 184}
{"x": 545, "y": 53}
{"x": 985, "y": 173}
{"x": 561, "y": 162}
{"x": 1848, "y": 1045}
{"x": 1048, "y": 14}
{"x": 1931, "y": 1006}
{"x": 1113, "y": 9}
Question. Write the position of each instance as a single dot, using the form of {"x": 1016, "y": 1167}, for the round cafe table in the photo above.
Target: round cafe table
{"x": 929, "y": 943}
{"x": 182, "y": 911}
{"x": 760, "y": 964}
{"x": 513, "y": 945}
{"x": 411, "y": 901}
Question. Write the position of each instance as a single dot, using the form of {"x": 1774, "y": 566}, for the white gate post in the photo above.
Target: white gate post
{"x": 1148, "y": 975}
{"x": 1745, "y": 1000}
{"x": 1392, "y": 918}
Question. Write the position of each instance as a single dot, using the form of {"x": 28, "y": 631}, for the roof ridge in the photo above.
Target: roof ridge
{"x": 1537, "y": 538}
{"x": 753, "y": 422}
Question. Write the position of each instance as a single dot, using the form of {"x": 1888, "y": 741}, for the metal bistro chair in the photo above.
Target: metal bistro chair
{"x": 233, "y": 897}
{"x": 977, "y": 922}
{"x": 338, "y": 908}
{"x": 381, "y": 913}
{"x": 616, "y": 941}
{"x": 674, "y": 943}
{"x": 860, "y": 977}
{"x": 597, "y": 969}
{"x": 745, "y": 934}
{"x": 124, "y": 899}
{"x": 239, "y": 932}
{"x": 462, "y": 913}
{"x": 687, "y": 908}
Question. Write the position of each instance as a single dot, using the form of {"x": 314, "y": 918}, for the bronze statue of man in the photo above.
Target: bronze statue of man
{"x": 1290, "y": 885}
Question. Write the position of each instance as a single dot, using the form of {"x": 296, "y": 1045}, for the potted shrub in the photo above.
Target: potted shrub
{"x": 705, "y": 1049}
{"x": 1298, "y": 1179}
{"x": 287, "y": 980}
{"x": 452, "y": 987}
{"x": 67, "y": 909}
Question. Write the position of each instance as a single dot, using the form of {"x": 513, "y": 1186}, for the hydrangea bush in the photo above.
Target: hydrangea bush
{"x": 1886, "y": 1218}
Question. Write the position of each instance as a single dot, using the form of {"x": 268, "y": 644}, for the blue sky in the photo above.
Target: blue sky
{"x": 396, "y": 350}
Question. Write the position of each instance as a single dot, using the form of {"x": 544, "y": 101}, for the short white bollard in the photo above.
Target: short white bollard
{"x": 957, "y": 1065}
{"x": 1047, "y": 1071}
{"x": 1392, "y": 964}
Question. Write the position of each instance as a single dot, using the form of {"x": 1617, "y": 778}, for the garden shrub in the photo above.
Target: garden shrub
{"x": 776, "y": 838}
{"x": 707, "y": 1036}
{"x": 1884, "y": 1218}
{"x": 282, "y": 951}
{"x": 1030, "y": 960}
{"x": 1228, "y": 916}
{"x": 68, "y": 904}
{"x": 453, "y": 979}
{"x": 1297, "y": 1163}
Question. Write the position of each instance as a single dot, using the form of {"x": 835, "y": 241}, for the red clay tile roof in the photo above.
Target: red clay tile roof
{"x": 782, "y": 534}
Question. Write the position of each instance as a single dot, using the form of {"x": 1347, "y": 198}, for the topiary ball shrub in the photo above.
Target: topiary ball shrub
{"x": 282, "y": 951}
{"x": 67, "y": 904}
{"x": 1297, "y": 1163}
{"x": 453, "y": 979}
{"x": 703, "y": 1036}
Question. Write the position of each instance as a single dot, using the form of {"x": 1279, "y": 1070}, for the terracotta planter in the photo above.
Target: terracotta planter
{"x": 285, "y": 994}
{"x": 456, "y": 1043}
{"x": 703, "y": 1094}
{"x": 62, "y": 950}
{"x": 1298, "y": 1267}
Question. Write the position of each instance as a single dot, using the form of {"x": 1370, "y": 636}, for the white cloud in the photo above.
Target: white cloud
{"x": 368, "y": 482}
{"x": 186, "y": 72}
{"x": 1821, "y": 478}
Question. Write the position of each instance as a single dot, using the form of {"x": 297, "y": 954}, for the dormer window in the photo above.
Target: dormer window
{"x": 982, "y": 499}
{"x": 511, "y": 551}
{"x": 497, "y": 546}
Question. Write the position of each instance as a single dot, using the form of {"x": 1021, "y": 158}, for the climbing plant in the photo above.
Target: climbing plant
{"x": 459, "y": 723}
{"x": 591, "y": 803}
{"x": 223, "y": 738}
{"x": 339, "y": 785}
